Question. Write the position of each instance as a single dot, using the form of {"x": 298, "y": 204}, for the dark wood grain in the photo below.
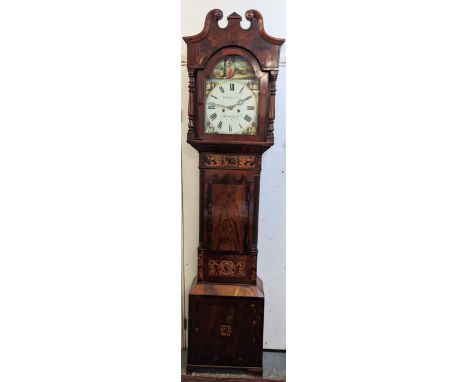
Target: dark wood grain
{"x": 229, "y": 217}
{"x": 202, "y": 46}
{"x": 225, "y": 326}
{"x": 226, "y": 301}
{"x": 233, "y": 290}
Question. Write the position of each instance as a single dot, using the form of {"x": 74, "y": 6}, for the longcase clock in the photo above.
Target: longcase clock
{"x": 232, "y": 85}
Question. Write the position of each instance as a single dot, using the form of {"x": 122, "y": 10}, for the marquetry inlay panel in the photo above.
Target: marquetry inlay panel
{"x": 230, "y": 161}
{"x": 226, "y": 268}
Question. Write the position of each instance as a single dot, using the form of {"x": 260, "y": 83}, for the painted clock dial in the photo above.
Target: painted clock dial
{"x": 231, "y": 98}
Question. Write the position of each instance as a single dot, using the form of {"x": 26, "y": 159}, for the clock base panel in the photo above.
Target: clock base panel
{"x": 226, "y": 326}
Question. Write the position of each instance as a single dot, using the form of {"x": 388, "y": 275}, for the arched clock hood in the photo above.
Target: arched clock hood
{"x": 253, "y": 41}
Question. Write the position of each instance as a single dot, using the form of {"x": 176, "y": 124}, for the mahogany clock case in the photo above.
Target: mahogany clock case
{"x": 226, "y": 300}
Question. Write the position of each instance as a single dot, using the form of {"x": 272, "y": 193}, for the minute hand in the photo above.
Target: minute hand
{"x": 239, "y": 102}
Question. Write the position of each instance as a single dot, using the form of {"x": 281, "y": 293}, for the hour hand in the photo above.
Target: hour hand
{"x": 217, "y": 104}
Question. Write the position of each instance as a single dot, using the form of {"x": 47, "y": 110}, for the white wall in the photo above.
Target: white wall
{"x": 271, "y": 240}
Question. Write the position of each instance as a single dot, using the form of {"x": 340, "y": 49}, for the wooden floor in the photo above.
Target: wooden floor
{"x": 274, "y": 370}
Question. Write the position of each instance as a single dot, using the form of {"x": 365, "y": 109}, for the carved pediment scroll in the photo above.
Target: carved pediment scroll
{"x": 201, "y": 46}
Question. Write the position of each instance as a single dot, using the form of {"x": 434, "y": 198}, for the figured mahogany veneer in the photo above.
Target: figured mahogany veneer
{"x": 226, "y": 327}
{"x": 226, "y": 301}
{"x": 227, "y": 290}
{"x": 229, "y": 190}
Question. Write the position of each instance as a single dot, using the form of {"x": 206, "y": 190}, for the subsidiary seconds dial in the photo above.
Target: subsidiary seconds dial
{"x": 231, "y": 108}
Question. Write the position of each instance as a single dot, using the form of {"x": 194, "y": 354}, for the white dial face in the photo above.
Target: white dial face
{"x": 231, "y": 107}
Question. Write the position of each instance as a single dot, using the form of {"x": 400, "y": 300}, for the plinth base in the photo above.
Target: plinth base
{"x": 253, "y": 370}
{"x": 225, "y": 326}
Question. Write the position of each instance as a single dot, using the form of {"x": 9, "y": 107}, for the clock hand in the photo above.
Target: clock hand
{"x": 241, "y": 101}
{"x": 238, "y": 103}
{"x": 219, "y": 105}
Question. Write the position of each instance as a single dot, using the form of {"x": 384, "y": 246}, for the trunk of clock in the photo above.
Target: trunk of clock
{"x": 229, "y": 191}
{"x": 226, "y": 326}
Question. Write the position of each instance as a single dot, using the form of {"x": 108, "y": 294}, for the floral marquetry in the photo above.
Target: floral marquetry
{"x": 226, "y": 268}
{"x": 208, "y": 160}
